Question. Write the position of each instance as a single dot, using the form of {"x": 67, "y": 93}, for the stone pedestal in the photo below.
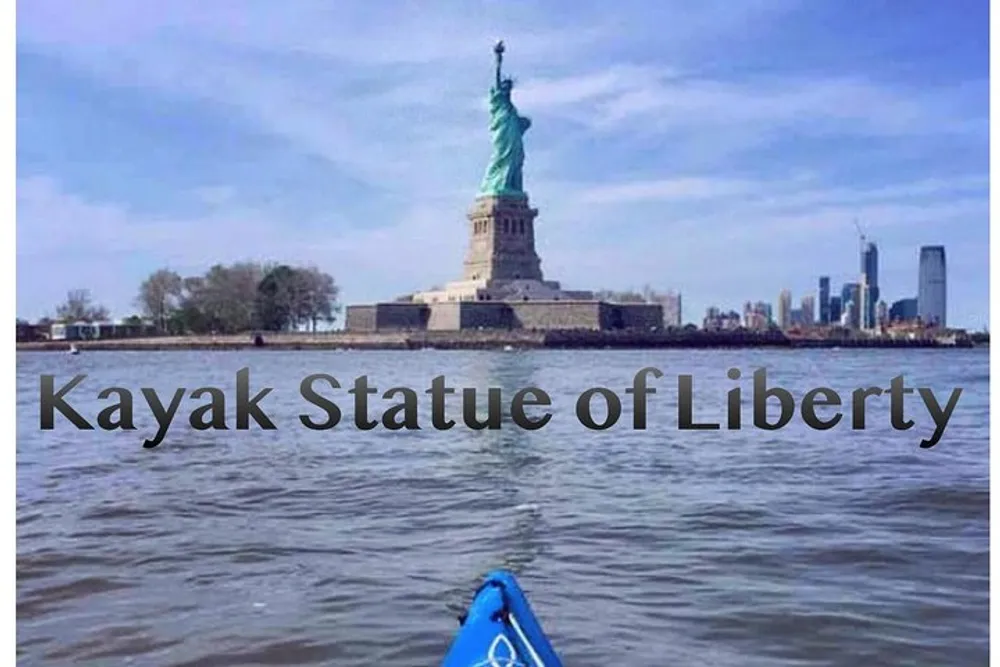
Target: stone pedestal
{"x": 502, "y": 241}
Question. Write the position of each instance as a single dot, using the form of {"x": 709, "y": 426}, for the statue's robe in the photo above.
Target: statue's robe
{"x": 504, "y": 176}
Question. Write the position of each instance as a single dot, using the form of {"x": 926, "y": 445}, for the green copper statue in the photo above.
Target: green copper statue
{"x": 504, "y": 174}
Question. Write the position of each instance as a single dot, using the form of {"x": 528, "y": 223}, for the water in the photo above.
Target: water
{"x": 348, "y": 547}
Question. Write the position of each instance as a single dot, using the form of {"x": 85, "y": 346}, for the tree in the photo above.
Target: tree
{"x": 280, "y": 299}
{"x": 289, "y": 297}
{"x": 239, "y": 297}
{"x": 233, "y": 294}
{"x": 223, "y": 300}
{"x": 612, "y": 296}
{"x": 160, "y": 296}
{"x": 78, "y": 308}
{"x": 320, "y": 298}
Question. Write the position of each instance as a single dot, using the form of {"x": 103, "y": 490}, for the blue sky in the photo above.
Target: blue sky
{"x": 721, "y": 148}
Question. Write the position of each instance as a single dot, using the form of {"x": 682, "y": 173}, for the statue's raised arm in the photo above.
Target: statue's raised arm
{"x": 498, "y": 50}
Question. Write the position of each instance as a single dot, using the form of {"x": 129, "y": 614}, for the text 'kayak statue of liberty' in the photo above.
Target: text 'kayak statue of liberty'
{"x": 504, "y": 176}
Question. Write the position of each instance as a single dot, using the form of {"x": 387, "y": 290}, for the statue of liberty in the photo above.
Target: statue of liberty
{"x": 504, "y": 175}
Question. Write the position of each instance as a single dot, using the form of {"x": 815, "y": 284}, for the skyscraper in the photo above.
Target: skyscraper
{"x": 869, "y": 269}
{"x": 932, "y": 292}
{"x": 903, "y": 310}
{"x": 757, "y": 316}
{"x": 765, "y": 308}
{"x": 834, "y": 310}
{"x": 784, "y": 309}
{"x": 824, "y": 299}
{"x": 850, "y": 302}
{"x": 671, "y": 302}
{"x": 808, "y": 309}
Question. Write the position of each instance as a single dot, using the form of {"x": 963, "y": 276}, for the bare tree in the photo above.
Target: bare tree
{"x": 612, "y": 296}
{"x": 160, "y": 296}
{"x": 78, "y": 308}
{"x": 227, "y": 296}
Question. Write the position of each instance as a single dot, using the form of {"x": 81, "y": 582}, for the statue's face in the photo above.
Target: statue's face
{"x": 506, "y": 85}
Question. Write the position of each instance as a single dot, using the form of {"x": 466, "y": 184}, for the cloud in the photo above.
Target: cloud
{"x": 651, "y": 99}
{"x": 53, "y": 222}
{"x": 57, "y": 228}
{"x": 794, "y": 193}
{"x": 215, "y": 195}
{"x": 546, "y": 94}
{"x": 398, "y": 131}
{"x": 676, "y": 189}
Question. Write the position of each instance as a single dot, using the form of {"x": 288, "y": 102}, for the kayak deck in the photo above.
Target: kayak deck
{"x": 500, "y": 629}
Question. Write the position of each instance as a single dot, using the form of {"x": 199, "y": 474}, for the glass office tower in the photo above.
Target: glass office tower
{"x": 869, "y": 268}
{"x": 824, "y": 299}
{"x": 932, "y": 292}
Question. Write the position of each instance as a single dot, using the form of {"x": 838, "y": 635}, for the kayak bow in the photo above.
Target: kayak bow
{"x": 500, "y": 629}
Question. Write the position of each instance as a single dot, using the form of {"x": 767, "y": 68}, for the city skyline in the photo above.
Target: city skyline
{"x": 825, "y": 305}
{"x": 350, "y": 137}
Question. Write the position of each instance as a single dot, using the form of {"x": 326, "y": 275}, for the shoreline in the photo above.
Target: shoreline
{"x": 488, "y": 340}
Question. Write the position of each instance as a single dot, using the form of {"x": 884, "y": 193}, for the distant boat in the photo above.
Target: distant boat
{"x": 73, "y": 349}
{"x": 508, "y": 348}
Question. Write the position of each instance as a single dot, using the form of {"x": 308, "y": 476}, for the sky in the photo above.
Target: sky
{"x": 718, "y": 148}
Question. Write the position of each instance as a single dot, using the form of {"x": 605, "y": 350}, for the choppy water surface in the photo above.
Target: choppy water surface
{"x": 348, "y": 547}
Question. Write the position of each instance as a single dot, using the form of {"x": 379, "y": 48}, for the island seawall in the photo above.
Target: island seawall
{"x": 490, "y": 339}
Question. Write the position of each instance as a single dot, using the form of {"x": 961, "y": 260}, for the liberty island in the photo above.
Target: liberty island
{"x": 502, "y": 284}
{"x": 502, "y": 298}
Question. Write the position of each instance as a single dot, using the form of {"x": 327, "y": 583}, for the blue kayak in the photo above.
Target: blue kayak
{"x": 500, "y": 630}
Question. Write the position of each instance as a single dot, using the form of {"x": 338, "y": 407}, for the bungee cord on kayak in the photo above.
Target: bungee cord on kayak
{"x": 511, "y": 657}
